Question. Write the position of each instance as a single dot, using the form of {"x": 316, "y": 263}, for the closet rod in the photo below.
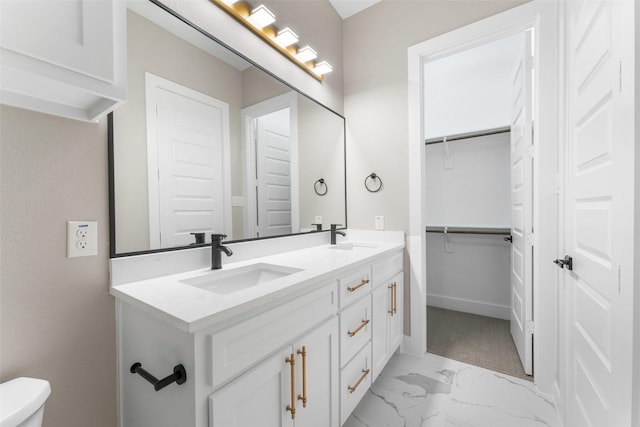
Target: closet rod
{"x": 467, "y": 135}
{"x": 470, "y": 230}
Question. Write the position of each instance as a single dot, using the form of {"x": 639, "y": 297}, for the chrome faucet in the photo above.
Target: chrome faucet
{"x": 216, "y": 249}
{"x": 334, "y": 232}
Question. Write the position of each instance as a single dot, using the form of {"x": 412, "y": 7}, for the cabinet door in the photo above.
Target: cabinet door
{"x": 320, "y": 372}
{"x": 381, "y": 303}
{"x": 258, "y": 398}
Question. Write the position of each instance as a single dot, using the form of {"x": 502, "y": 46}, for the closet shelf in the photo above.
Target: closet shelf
{"x": 499, "y": 231}
{"x": 468, "y": 135}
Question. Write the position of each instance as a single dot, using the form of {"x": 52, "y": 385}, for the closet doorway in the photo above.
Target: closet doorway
{"x": 478, "y": 180}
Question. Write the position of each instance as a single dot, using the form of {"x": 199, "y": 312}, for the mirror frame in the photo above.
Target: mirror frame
{"x": 111, "y": 157}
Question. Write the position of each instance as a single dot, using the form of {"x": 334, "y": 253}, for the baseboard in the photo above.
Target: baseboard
{"x": 468, "y": 306}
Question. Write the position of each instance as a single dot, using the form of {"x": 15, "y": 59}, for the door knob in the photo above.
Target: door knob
{"x": 508, "y": 239}
{"x": 567, "y": 262}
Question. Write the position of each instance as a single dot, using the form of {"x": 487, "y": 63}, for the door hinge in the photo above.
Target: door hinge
{"x": 531, "y": 62}
{"x": 620, "y": 76}
{"x": 619, "y": 279}
{"x": 531, "y": 151}
{"x": 529, "y": 239}
{"x": 530, "y": 327}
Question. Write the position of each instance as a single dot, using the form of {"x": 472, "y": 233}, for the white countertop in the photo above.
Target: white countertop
{"x": 191, "y": 309}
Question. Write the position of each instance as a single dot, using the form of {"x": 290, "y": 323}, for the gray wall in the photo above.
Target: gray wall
{"x": 57, "y": 318}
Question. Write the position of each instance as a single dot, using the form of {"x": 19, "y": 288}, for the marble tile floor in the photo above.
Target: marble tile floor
{"x": 434, "y": 391}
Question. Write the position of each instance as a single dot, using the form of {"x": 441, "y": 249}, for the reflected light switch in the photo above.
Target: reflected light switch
{"x": 237, "y": 201}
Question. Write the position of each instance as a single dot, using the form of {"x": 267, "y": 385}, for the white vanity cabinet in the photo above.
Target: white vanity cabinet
{"x": 317, "y": 350}
{"x": 63, "y": 58}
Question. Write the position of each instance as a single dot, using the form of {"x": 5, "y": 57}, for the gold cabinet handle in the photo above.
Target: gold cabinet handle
{"x": 359, "y": 285}
{"x": 303, "y": 396}
{"x": 356, "y": 330}
{"x": 394, "y": 298}
{"x": 353, "y": 388}
{"x": 292, "y": 408}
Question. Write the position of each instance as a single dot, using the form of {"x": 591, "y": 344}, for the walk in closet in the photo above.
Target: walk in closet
{"x": 477, "y": 111}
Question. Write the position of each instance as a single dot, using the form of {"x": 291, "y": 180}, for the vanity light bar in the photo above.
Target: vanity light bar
{"x": 259, "y": 20}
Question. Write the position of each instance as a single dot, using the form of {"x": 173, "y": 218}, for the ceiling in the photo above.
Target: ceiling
{"x": 347, "y": 8}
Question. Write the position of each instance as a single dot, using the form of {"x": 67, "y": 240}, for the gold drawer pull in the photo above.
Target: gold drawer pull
{"x": 303, "y": 396}
{"x": 365, "y": 372}
{"x": 359, "y": 285}
{"x": 292, "y": 408}
{"x": 356, "y": 330}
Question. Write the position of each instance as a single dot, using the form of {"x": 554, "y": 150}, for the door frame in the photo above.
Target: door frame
{"x": 248, "y": 115}
{"x": 153, "y": 84}
{"x": 541, "y": 16}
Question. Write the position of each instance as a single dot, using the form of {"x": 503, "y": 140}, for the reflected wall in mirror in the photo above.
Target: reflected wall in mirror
{"x": 209, "y": 143}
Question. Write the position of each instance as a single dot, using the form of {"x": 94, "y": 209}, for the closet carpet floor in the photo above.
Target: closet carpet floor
{"x": 476, "y": 340}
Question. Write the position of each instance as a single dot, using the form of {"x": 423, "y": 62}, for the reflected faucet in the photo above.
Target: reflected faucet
{"x": 216, "y": 249}
{"x": 334, "y": 232}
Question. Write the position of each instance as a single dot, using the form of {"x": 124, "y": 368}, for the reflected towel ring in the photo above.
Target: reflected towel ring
{"x": 322, "y": 184}
{"x": 373, "y": 177}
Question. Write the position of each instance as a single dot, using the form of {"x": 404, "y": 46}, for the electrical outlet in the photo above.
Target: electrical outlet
{"x": 82, "y": 238}
{"x": 318, "y": 219}
{"x": 379, "y": 220}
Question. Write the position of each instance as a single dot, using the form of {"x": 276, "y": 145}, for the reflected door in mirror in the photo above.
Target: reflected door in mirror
{"x": 187, "y": 134}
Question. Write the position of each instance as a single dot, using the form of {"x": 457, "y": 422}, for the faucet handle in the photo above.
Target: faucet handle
{"x": 333, "y": 226}
{"x": 318, "y": 226}
{"x": 217, "y": 238}
{"x": 199, "y": 237}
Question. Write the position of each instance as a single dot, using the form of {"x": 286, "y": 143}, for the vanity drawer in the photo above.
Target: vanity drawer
{"x": 355, "y": 329}
{"x": 237, "y": 348}
{"x": 385, "y": 269}
{"x": 355, "y": 380}
{"x": 354, "y": 285}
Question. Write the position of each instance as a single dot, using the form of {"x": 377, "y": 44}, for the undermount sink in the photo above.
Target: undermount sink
{"x": 349, "y": 246}
{"x": 232, "y": 280}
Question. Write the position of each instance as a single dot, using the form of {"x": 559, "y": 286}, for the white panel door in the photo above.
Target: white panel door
{"x": 273, "y": 152}
{"x": 522, "y": 208}
{"x": 599, "y": 219}
{"x": 187, "y": 179}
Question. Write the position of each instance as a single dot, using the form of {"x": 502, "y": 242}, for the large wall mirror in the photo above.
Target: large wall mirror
{"x": 210, "y": 143}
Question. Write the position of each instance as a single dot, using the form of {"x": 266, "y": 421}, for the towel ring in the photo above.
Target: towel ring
{"x": 373, "y": 177}
{"x": 322, "y": 184}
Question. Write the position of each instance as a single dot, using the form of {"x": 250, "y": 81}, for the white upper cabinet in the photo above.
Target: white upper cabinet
{"x": 66, "y": 58}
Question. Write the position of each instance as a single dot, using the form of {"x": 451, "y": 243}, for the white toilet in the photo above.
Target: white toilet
{"x": 22, "y": 402}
